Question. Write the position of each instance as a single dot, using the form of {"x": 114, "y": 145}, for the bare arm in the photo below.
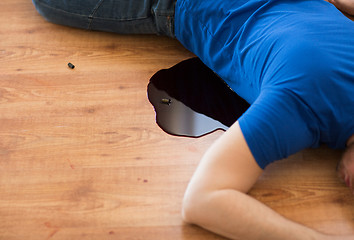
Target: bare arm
{"x": 216, "y": 197}
{"x": 346, "y": 6}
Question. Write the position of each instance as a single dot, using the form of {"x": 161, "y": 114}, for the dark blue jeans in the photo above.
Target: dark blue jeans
{"x": 119, "y": 16}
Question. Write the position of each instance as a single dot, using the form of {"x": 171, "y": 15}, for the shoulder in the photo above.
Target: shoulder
{"x": 277, "y": 125}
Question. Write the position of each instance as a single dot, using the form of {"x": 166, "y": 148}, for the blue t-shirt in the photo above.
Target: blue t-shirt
{"x": 293, "y": 61}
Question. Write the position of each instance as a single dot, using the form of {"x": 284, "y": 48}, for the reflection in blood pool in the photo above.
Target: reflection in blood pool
{"x": 191, "y": 100}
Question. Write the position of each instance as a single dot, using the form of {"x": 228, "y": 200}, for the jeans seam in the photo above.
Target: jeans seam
{"x": 93, "y": 12}
{"x": 98, "y": 5}
{"x": 61, "y": 10}
{"x": 120, "y": 20}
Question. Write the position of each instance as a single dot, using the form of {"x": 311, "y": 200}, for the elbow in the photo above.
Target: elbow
{"x": 194, "y": 208}
{"x": 188, "y": 211}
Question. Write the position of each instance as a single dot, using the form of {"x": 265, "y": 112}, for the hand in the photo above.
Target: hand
{"x": 347, "y": 6}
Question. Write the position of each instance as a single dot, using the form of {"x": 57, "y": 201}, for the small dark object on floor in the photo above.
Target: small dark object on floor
{"x": 166, "y": 101}
{"x": 70, "y": 65}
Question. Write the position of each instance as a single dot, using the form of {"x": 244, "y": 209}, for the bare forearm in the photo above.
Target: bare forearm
{"x": 238, "y": 216}
{"x": 345, "y": 6}
{"x": 215, "y": 198}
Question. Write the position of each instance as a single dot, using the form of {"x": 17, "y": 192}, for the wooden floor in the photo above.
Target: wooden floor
{"x": 82, "y": 158}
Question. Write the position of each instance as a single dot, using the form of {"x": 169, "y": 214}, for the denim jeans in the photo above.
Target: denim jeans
{"x": 119, "y": 16}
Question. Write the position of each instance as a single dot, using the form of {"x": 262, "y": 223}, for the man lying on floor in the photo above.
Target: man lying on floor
{"x": 293, "y": 61}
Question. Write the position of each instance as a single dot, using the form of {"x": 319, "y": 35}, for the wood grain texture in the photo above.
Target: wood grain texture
{"x": 82, "y": 158}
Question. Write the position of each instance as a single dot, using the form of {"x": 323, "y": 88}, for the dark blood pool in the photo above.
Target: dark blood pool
{"x": 191, "y": 100}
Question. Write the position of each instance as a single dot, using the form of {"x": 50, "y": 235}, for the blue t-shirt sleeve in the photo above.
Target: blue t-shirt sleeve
{"x": 277, "y": 125}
